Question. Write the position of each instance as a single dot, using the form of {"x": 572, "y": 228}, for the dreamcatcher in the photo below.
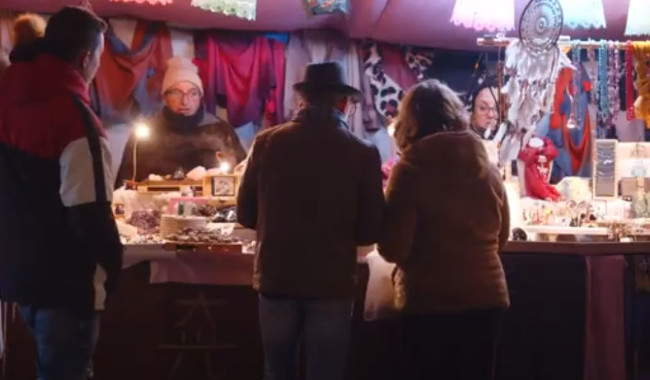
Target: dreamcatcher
{"x": 533, "y": 63}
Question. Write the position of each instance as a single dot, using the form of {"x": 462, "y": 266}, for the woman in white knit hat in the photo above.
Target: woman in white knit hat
{"x": 183, "y": 135}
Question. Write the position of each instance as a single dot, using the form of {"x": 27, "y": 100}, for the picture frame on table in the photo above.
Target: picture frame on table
{"x": 220, "y": 185}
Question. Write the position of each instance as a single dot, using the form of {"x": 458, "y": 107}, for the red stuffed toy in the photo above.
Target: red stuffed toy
{"x": 537, "y": 159}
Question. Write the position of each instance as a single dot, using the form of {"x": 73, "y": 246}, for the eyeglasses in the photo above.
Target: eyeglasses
{"x": 485, "y": 109}
{"x": 179, "y": 95}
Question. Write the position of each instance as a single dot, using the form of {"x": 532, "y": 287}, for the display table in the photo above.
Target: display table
{"x": 567, "y": 320}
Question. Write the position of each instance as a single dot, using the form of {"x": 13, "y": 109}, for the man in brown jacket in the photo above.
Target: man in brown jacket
{"x": 313, "y": 192}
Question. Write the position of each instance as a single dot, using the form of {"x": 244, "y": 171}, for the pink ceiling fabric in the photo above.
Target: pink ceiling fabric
{"x": 149, "y": 2}
{"x": 415, "y": 22}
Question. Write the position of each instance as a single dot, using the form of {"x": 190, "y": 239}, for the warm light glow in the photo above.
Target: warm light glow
{"x": 142, "y": 131}
{"x": 224, "y": 167}
{"x": 583, "y": 14}
{"x": 571, "y": 124}
{"x": 391, "y": 129}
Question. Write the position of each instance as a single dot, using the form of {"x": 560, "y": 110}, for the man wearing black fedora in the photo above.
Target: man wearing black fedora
{"x": 313, "y": 192}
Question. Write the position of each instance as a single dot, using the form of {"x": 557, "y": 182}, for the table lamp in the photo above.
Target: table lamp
{"x": 141, "y": 132}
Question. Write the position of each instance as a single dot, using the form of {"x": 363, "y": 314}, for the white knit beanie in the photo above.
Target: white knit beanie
{"x": 181, "y": 69}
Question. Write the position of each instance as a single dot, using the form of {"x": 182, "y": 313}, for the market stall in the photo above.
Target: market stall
{"x": 577, "y": 263}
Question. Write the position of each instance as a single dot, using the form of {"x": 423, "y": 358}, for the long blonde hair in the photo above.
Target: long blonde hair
{"x": 429, "y": 107}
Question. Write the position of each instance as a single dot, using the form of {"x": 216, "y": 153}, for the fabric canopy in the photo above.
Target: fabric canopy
{"x": 415, "y": 22}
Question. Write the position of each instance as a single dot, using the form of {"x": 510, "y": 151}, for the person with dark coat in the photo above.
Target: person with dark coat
{"x": 313, "y": 192}
{"x": 446, "y": 222}
{"x": 183, "y": 135}
{"x": 61, "y": 252}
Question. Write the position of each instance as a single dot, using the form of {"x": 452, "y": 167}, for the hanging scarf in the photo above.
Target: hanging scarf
{"x": 642, "y": 103}
{"x": 129, "y": 80}
{"x": 419, "y": 61}
{"x": 317, "y": 46}
{"x": 387, "y": 93}
{"x": 578, "y": 152}
{"x": 238, "y": 73}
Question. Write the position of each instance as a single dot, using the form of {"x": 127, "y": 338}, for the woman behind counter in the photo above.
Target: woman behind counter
{"x": 183, "y": 135}
{"x": 445, "y": 224}
{"x": 484, "y": 109}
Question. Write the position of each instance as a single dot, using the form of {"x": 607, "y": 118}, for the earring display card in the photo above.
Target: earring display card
{"x": 320, "y": 7}
{"x": 604, "y": 174}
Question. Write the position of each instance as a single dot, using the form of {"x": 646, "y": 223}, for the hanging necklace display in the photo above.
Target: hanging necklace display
{"x": 593, "y": 74}
{"x": 614, "y": 85}
{"x": 629, "y": 81}
{"x": 575, "y": 116}
{"x": 533, "y": 63}
{"x": 603, "y": 94}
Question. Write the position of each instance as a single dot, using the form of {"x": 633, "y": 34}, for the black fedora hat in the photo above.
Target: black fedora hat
{"x": 325, "y": 77}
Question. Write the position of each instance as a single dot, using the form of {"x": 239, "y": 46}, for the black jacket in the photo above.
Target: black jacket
{"x": 59, "y": 245}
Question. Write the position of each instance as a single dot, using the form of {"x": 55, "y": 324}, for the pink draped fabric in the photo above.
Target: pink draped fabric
{"x": 604, "y": 320}
{"x": 274, "y": 108}
{"x": 237, "y": 69}
{"x": 395, "y": 66}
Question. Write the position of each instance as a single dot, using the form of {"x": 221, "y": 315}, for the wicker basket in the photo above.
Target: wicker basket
{"x": 171, "y": 224}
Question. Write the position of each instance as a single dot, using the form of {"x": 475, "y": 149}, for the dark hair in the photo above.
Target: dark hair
{"x": 427, "y": 108}
{"x": 322, "y": 98}
{"x": 483, "y": 83}
{"x": 72, "y": 31}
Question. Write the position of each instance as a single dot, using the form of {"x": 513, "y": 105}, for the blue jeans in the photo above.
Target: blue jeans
{"x": 323, "y": 324}
{"x": 65, "y": 342}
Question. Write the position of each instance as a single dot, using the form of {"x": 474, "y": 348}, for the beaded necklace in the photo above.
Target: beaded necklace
{"x": 614, "y": 85}
{"x": 629, "y": 81}
{"x": 603, "y": 94}
{"x": 576, "y": 113}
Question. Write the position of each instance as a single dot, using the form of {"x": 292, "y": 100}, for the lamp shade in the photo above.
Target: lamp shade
{"x": 583, "y": 14}
{"x": 638, "y": 18}
{"x": 245, "y": 9}
{"x": 483, "y": 15}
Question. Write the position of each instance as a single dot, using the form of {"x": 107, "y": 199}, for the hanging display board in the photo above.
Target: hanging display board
{"x": 604, "y": 177}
